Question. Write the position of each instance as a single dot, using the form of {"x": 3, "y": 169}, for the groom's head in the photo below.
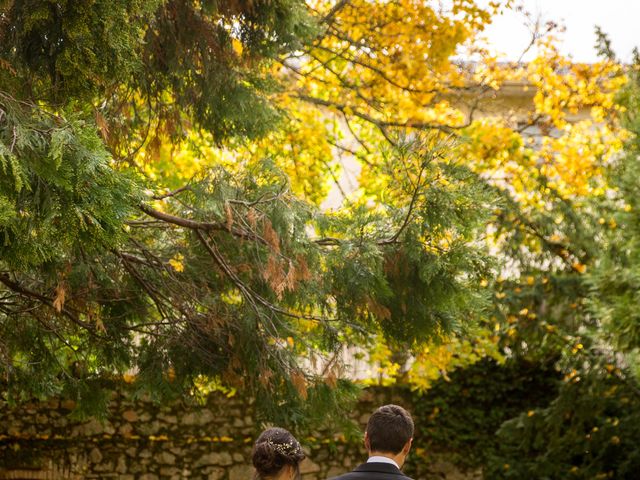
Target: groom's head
{"x": 389, "y": 431}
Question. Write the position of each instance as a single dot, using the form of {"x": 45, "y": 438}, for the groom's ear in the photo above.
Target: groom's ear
{"x": 367, "y": 444}
{"x": 407, "y": 446}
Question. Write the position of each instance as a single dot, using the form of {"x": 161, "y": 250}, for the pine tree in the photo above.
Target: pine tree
{"x": 228, "y": 279}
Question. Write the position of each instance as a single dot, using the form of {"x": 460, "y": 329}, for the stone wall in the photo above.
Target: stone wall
{"x": 141, "y": 440}
{"x": 138, "y": 440}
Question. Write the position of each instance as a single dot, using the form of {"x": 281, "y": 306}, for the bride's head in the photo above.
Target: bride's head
{"x": 277, "y": 455}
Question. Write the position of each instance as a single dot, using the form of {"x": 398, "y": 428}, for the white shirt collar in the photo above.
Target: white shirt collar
{"x": 380, "y": 459}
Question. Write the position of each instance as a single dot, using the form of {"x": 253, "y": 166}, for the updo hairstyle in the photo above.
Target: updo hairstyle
{"x": 274, "y": 449}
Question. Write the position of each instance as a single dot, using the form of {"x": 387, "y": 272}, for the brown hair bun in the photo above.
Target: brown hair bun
{"x": 274, "y": 449}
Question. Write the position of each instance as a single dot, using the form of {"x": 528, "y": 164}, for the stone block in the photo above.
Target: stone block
{"x": 148, "y": 476}
{"x": 188, "y": 419}
{"x": 68, "y": 404}
{"x": 165, "y": 458}
{"x": 90, "y": 428}
{"x": 218, "y": 474}
{"x": 169, "y": 471}
{"x": 95, "y": 455}
{"x": 106, "y": 467}
{"x": 307, "y": 466}
{"x": 121, "y": 467}
{"x": 214, "y": 458}
{"x": 335, "y": 471}
{"x": 125, "y": 429}
{"x": 130, "y": 416}
{"x": 240, "y": 472}
{"x": 237, "y": 457}
{"x": 149, "y": 428}
{"x": 171, "y": 419}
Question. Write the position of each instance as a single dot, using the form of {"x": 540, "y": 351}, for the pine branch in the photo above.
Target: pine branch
{"x": 253, "y": 297}
{"x": 25, "y": 292}
{"x": 197, "y": 225}
{"x": 172, "y": 193}
{"x": 409, "y": 214}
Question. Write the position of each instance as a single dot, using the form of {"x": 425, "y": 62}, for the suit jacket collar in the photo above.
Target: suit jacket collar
{"x": 380, "y": 468}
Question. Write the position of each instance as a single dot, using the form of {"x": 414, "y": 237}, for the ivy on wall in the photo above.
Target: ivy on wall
{"x": 458, "y": 419}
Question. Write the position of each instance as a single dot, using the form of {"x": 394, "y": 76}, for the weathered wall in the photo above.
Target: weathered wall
{"x": 141, "y": 440}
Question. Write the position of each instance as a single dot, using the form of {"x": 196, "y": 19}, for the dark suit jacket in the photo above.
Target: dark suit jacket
{"x": 374, "y": 471}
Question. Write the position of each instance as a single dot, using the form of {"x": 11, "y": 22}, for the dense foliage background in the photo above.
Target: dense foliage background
{"x": 164, "y": 167}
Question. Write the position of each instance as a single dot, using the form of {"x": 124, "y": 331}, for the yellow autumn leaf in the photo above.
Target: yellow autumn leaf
{"x": 177, "y": 262}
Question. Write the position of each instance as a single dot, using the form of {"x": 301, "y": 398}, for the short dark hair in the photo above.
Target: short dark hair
{"x": 389, "y": 429}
